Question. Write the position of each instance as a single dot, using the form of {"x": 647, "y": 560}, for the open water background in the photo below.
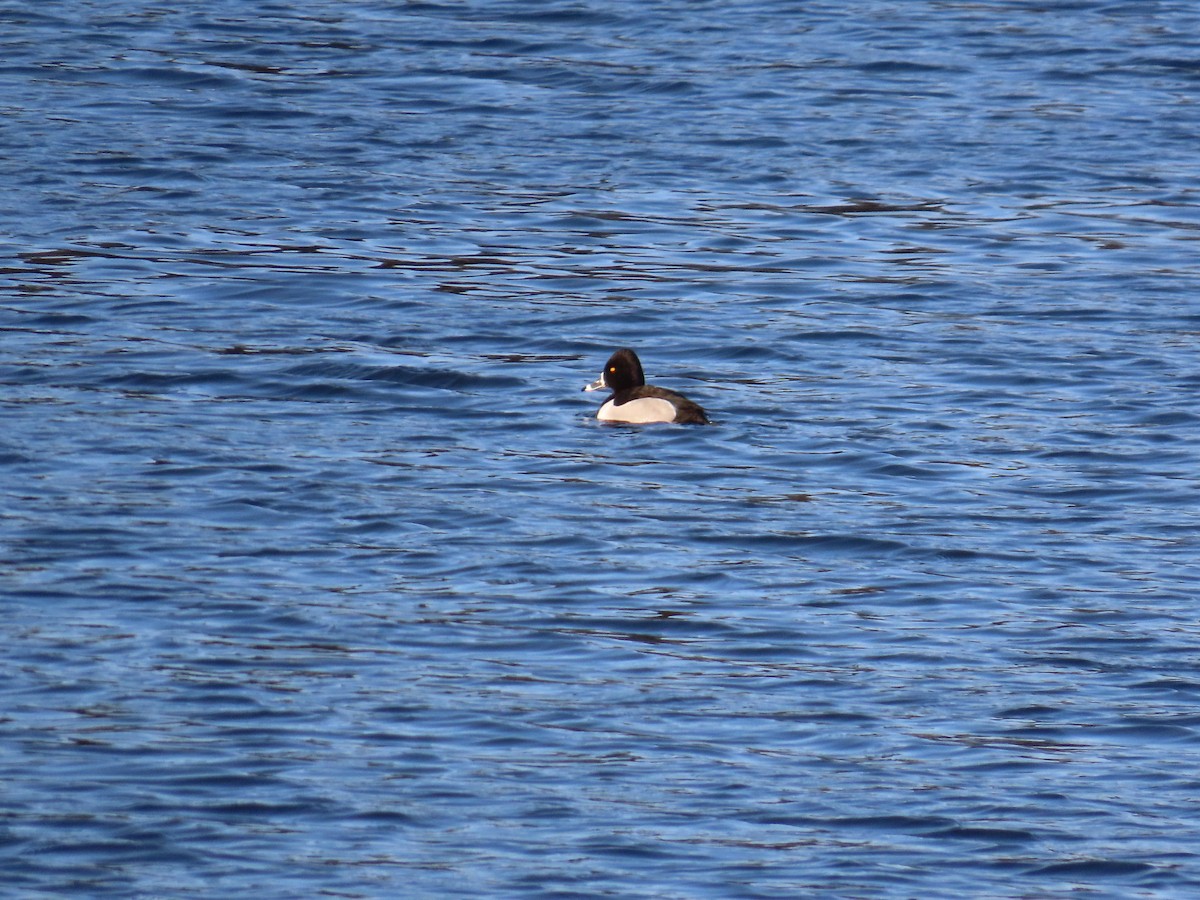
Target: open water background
{"x": 318, "y": 578}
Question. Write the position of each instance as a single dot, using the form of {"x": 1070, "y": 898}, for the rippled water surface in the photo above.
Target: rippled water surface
{"x": 319, "y": 577}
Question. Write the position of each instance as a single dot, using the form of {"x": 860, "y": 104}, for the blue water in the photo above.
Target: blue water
{"x": 319, "y": 578}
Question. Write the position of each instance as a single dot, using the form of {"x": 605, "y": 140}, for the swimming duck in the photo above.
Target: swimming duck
{"x": 635, "y": 401}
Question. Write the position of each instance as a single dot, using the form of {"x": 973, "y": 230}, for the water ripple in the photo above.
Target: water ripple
{"x": 320, "y": 574}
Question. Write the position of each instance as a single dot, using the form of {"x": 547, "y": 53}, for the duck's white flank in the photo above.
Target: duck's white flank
{"x": 638, "y": 412}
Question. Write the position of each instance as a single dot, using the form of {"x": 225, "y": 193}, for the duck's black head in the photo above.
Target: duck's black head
{"x": 623, "y": 371}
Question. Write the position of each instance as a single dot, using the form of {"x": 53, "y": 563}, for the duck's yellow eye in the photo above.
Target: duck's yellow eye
{"x": 612, "y": 368}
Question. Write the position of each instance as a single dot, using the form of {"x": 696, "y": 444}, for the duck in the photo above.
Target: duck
{"x": 635, "y": 402}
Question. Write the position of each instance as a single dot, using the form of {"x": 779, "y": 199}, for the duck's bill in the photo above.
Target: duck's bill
{"x": 597, "y": 385}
